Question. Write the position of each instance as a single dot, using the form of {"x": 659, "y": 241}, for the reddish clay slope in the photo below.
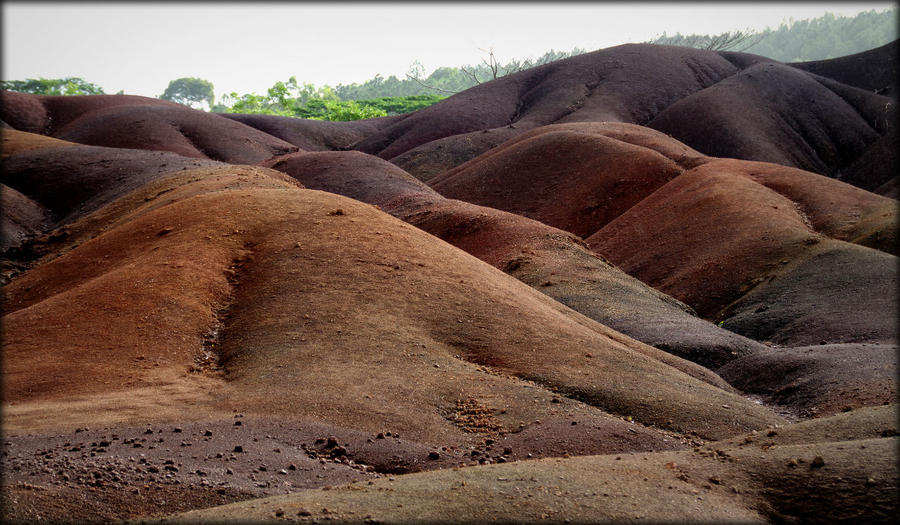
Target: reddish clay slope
{"x": 324, "y": 292}
{"x": 549, "y": 260}
{"x": 713, "y": 233}
{"x": 44, "y": 114}
{"x": 576, "y": 177}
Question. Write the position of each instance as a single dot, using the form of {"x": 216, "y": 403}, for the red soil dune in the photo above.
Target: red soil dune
{"x": 240, "y": 334}
{"x": 350, "y": 326}
{"x": 177, "y": 129}
{"x": 45, "y": 114}
{"x": 576, "y": 177}
{"x": 551, "y": 261}
{"x": 722, "y": 232}
{"x": 122, "y": 121}
{"x": 355, "y": 175}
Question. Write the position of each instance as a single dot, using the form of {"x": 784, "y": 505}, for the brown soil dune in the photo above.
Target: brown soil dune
{"x": 874, "y": 70}
{"x": 15, "y": 142}
{"x": 350, "y": 326}
{"x": 73, "y": 180}
{"x": 314, "y": 135}
{"x": 434, "y": 158}
{"x": 813, "y": 482}
{"x": 354, "y": 174}
{"x": 835, "y": 292}
{"x": 819, "y": 380}
{"x": 628, "y": 83}
{"x": 45, "y": 114}
{"x": 177, "y": 129}
{"x": 551, "y": 261}
{"x": 774, "y": 113}
{"x": 713, "y": 233}
{"x": 576, "y": 177}
{"x": 125, "y": 121}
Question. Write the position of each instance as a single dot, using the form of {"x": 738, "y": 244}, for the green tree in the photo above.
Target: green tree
{"x": 190, "y": 91}
{"x": 53, "y": 86}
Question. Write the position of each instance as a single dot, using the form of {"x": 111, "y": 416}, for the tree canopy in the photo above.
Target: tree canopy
{"x": 190, "y": 91}
{"x": 53, "y": 86}
{"x": 827, "y": 36}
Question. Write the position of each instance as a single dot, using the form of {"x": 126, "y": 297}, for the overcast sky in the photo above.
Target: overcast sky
{"x": 140, "y": 46}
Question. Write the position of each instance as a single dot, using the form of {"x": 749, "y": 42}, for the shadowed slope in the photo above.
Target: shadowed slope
{"x": 819, "y": 380}
{"x": 874, "y": 70}
{"x": 167, "y": 266}
{"x": 44, "y": 114}
{"x": 551, "y": 261}
{"x": 177, "y": 129}
{"x": 876, "y": 169}
{"x": 75, "y": 180}
{"x": 628, "y": 83}
{"x": 314, "y": 135}
{"x": 22, "y": 217}
{"x": 774, "y": 113}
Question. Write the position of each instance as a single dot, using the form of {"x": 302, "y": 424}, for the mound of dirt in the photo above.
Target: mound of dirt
{"x": 315, "y": 135}
{"x": 549, "y": 260}
{"x": 156, "y": 277}
{"x": 876, "y": 169}
{"x": 45, "y": 114}
{"x": 73, "y": 180}
{"x": 819, "y": 380}
{"x": 774, "y": 113}
{"x": 576, "y": 177}
{"x": 874, "y": 70}
{"x": 22, "y": 217}
{"x": 832, "y": 293}
{"x": 433, "y": 158}
{"x": 810, "y": 482}
{"x": 353, "y": 174}
{"x": 178, "y": 129}
{"x": 713, "y": 233}
{"x": 628, "y": 83}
